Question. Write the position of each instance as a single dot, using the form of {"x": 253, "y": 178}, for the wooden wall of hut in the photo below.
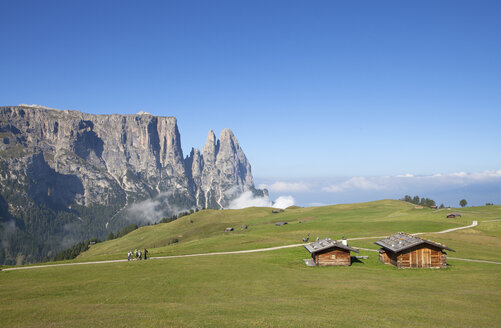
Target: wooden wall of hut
{"x": 421, "y": 256}
{"x": 333, "y": 257}
{"x": 388, "y": 257}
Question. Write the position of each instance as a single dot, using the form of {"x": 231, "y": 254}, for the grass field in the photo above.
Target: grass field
{"x": 271, "y": 289}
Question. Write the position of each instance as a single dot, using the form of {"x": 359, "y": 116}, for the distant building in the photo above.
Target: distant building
{"x": 330, "y": 252}
{"x": 280, "y": 223}
{"x": 407, "y": 251}
{"x": 453, "y": 215}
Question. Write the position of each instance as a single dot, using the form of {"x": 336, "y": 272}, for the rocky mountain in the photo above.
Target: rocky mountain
{"x": 66, "y": 176}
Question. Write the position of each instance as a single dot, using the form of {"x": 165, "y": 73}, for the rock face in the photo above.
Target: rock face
{"x": 91, "y": 168}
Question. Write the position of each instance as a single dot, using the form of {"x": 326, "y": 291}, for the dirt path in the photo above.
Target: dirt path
{"x": 475, "y": 223}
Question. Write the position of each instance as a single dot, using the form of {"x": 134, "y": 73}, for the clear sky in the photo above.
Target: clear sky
{"x": 313, "y": 90}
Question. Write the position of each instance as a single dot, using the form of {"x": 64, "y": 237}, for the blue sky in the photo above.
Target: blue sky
{"x": 316, "y": 92}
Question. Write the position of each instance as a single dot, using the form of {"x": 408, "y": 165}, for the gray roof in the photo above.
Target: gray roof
{"x": 402, "y": 241}
{"x": 327, "y": 243}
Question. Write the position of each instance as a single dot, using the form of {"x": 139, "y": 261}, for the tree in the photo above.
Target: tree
{"x": 463, "y": 202}
{"x": 126, "y": 230}
{"x": 442, "y": 205}
{"x": 110, "y": 236}
{"x": 415, "y": 200}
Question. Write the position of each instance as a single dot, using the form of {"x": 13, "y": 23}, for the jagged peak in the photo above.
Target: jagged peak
{"x": 194, "y": 152}
{"x": 211, "y": 141}
{"x": 211, "y": 137}
{"x": 226, "y": 133}
{"x": 228, "y": 140}
{"x": 210, "y": 149}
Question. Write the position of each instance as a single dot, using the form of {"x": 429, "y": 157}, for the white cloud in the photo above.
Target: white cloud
{"x": 247, "y": 199}
{"x": 355, "y": 183}
{"x": 282, "y": 186}
{"x": 147, "y": 211}
{"x": 283, "y": 202}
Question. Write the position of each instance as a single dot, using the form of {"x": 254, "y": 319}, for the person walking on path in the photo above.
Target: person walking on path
{"x": 145, "y": 253}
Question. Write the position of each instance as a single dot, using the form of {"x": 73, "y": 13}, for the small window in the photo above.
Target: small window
{"x": 333, "y": 256}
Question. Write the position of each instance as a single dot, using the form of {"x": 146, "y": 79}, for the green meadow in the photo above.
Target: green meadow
{"x": 269, "y": 289}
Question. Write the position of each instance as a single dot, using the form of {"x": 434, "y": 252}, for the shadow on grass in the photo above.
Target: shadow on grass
{"x": 355, "y": 260}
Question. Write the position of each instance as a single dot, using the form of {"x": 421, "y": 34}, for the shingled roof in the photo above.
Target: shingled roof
{"x": 327, "y": 243}
{"x": 402, "y": 241}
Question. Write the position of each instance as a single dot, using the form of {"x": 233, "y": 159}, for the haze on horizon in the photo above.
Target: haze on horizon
{"x": 332, "y": 102}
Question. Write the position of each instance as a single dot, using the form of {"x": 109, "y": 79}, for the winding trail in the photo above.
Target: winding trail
{"x": 474, "y": 223}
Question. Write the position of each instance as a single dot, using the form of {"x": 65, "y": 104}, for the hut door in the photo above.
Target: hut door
{"x": 426, "y": 256}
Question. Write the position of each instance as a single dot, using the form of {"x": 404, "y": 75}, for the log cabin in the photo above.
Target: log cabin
{"x": 407, "y": 251}
{"x": 330, "y": 252}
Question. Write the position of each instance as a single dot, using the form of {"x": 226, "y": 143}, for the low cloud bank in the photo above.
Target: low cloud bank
{"x": 409, "y": 181}
{"x": 247, "y": 199}
{"x": 477, "y": 187}
{"x": 147, "y": 211}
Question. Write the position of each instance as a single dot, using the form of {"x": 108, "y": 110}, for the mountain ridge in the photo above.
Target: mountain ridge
{"x": 91, "y": 168}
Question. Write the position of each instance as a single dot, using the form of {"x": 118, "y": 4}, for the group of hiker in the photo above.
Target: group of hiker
{"x": 137, "y": 255}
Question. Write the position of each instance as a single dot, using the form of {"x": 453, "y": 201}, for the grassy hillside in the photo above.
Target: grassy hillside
{"x": 204, "y": 231}
{"x": 272, "y": 289}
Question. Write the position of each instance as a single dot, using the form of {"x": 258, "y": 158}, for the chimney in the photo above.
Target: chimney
{"x": 344, "y": 241}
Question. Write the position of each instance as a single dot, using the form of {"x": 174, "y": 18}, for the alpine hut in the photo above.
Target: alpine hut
{"x": 407, "y": 251}
{"x": 330, "y": 252}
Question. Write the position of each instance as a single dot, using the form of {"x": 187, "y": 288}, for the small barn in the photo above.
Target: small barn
{"x": 453, "y": 215}
{"x": 330, "y": 252}
{"x": 407, "y": 251}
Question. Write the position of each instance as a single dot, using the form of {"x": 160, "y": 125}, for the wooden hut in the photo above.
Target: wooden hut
{"x": 330, "y": 252}
{"x": 453, "y": 215}
{"x": 407, "y": 251}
